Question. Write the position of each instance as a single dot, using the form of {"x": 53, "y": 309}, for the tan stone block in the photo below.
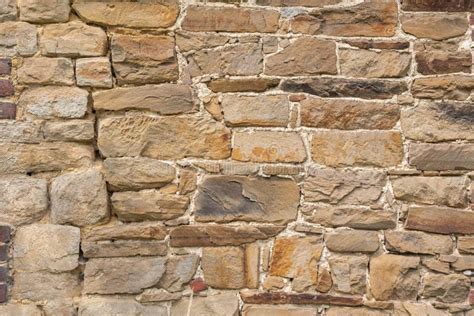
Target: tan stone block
{"x": 437, "y": 26}
{"x": 213, "y": 305}
{"x": 18, "y": 38}
{"x": 267, "y": 310}
{"x": 8, "y": 12}
{"x": 93, "y": 306}
{"x": 452, "y": 156}
{"x": 242, "y": 85}
{"x": 442, "y": 62}
{"x": 466, "y": 244}
{"x": 440, "y": 220}
{"x": 94, "y": 72}
{"x": 44, "y": 11}
{"x": 450, "y": 288}
{"x": 71, "y": 130}
{"x": 179, "y": 271}
{"x": 349, "y": 273}
{"x": 41, "y": 286}
{"x": 418, "y": 242}
{"x": 42, "y": 70}
{"x": 451, "y": 87}
{"x": 352, "y": 241}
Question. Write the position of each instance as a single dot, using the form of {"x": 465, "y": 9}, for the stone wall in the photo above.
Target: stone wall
{"x": 236, "y": 157}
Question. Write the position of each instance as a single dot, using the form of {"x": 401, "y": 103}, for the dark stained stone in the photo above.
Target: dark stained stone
{"x": 441, "y": 156}
{"x": 437, "y": 5}
{"x": 440, "y": 62}
{"x": 220, "y": 235}
{"x": 7, "y": 110}
{"x": 254, "y": 297}
{"x": 5, "y": 232}
{"x": 230, "y": 198}
{"x": 6, "y": 88}
{"x": 5, "y": 66}
{"x": 3, "y": 274}
{"x": 337, "y": 87}
{"x": 3, "y": 293}
{"x": 3, "y": 252}
{"x": 242, "y": 85}
{"x": 377, "y": 44}
{"x": 440, "y": 220}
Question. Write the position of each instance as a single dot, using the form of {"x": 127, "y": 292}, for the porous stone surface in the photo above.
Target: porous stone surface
{"x": 236, "y": 157}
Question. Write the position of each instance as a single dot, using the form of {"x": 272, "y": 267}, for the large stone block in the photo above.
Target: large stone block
{"x": 447, "y": 87}
{"x": 213, "y": 305}
{"x": 449, "y": 288}
{"x": 349, "y": 273}
{"x": 437, "y": 26}
{"x": 441, "y": 156}
{"x": 370, "y": 64}
{"x": 44, "y": 11}
{"x": 18, "y": 38}
{"x": 440, "y": 220}
{"x": 352, "y": 241}
{"x": 418, "y": 242}
{"x": 94, "y": 306}
{"x": 42, "y": 70}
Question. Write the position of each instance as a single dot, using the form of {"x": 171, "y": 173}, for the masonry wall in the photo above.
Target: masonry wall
{"x": 269, "y": 157}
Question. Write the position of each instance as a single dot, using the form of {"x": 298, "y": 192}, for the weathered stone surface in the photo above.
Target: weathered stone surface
{"x": 122, "y": 275}
{"x": 49, "y": 102}
{"x": 450, "y": 191}
{"x": 143, "y": 58}
{"x": 296, "y": 258}
{"x": 79, "y": 198}
{"x": 148, "y": 205}
{"x": 466, "y": 244}
{"x": 158, "y": 295}
{"x": 367, "y": 18}
{"x": 5, "y": 66}
{"x": 433, "y": 122}
{"x": 137, "y": 173}
{"x": 454, "y": 87}
{"x": 437, "y": 26}
{"x": 24, "y": 199}
{"x": 44, "y": 157}
{"x": 348, "y": 114}
{"x": 304, "y": 56}
{"x": 141, "y": 231}
{"x": 297, "y": 3}
{"x": 243, "y": 85}
{"x": 378, "y": 44}
{"x": 231, "y": 267}
{"x": 358, "y": 311}
{"x": 6, "y": 88}
{"x": 94, "y": 72}
{"x": 463, "y": 263}
{"x": 265, "y": 146}
{"x": 129, "y": 14}
{"x": 258, "y": 310}
{"x": 17, "y": 38}
{"x": 349, "y": 216}
{"x": 441, "y": 156}
{"x": 71, "y": 130}
{"x": 8, "y": 12}
{"x": 245, "y": 59}
{"x": 39, "y": 286}
{"x": 442, "y": 62}
{"x": 352, "y": 241}
{"x": 345, "y": 187}
{"x": 440, "y": 220}
{"x": 254, "y": 297}
{"x": 229, "y": 198}
{"x": 123, "y": 248}
{"x": 46, "y": 247}
{"x": 179, "y": 271}
{"x": 340, "y": 87}
{"x": 42, "y": 70}
{"x": 262, "y": 110}
{"x": 20, "y": 309}
{"x": 371, "y": 64}
{"x": 436, "y": 5}
{"x": 361, "y": 148}
{"x": 418, "y": 242}
{"x": 229, "y": 19}
{"x": 349, "y": 273}
{"x": 220, "y": 235}
{"x": 20, "y": 132}
{"x": 394, "y": 277}
{"x": 213, "y": 305}
{"x": 7, "y": 110}
{"x": 164, "y": 99}
{"x": 163, "y": 138}
{"x": 45, "y": 11}
{"x": 93, "y": 306}
{"x": 450, "y": 288}
{"x": 187, "y": 41}
{"x": 73, "y": 39}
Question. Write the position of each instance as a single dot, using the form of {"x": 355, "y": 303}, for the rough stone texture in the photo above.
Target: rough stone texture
{"x": 254, "y": 297}
{"x": 143, "y": 59}
{"x": 46, "y": 247}
{"x": 243, "y": 85}
{"x": 348, "y": 114}
{"x": 138, "y": 173}
{"x": 304, "y": 56}
{"x": 129, "y": 14}
{"x": 164, "y": 99}
{"x": 394, "y": 277}
{"x": 216, "y": 305}
{"x": 450, "y": 87}
{"x": 123, "y": 248}
{"x": 18, "y": 38}
{"x": 20, "y": 309}
{"x": 85, "y": 204}
{"x": 74, "y": 39}
{"x": 447, "y": 288}
{"x": 433, "y": 122}
{"x": 256, "y": 111}
{"x": 200, "y": 18}
{"x": 352, "y": 241}
{"x": 110, "y": 306}
{"x": 45, "y": 11}
{"x": 418, "y": 242}
{"x": 141, "y": 231}
{"x": 41, "y": 70}
{"x": 440, "y": 220}
{"x": 466, "y": 244}
{"x": 263, "y": 146}
{"x": 349, "y": 273}
{"x": 297, "y": 3}
{"x": 442, "y": 156}
{"x": 448, "y": 191}
{"x": 361, "y": 148}
{"x": 441, "y": 62}
{"x": 436, "y": 5}
{"x": 163, "y": 138}
{"x": 94, "y": 72}
{"x": 370, "y": 64}
{"x": 437, "y": 26}
{"x": 8, "y": 10}
{"x": 24, "y": 199}
{"x": 38, "y": 286}
{"x": 227, "y": 198}
{"x": 148, "y": 205}
{"x": 50, "y": 102}
{"x": 72, "y": 130}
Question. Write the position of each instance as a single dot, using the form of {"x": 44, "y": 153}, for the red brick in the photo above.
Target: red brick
{"x": 5, "y": 66}
{"x": 3, "y": 252}
{"x": 3, "y": 274}
{"x": 6, "y": 88}
{"x": 7, "y": 111}
{"x": 437, "y": 5}
{"x": 5, "y": 232}
{"x": 3, "y": 293}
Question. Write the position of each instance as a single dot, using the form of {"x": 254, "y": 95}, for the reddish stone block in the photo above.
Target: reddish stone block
{"x": 437, "y": 5}
{"x": 3, "y": 274}
{"x": 6, "y": 88}
{"x": 198, "y": 285}
{"x": 3, "y": 293}
{"x": 3, "y": 252}
{"x": 254, "y": 297}
{"x": 7, "y": 111}
{"x": 5, "y": 231}
{"x": 5, "y": 66}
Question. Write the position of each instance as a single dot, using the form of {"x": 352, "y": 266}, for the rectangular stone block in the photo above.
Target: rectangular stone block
{"x": 5, "y": 66}
{"x": 7, "y": 110}
{"x": 441, "y": 157}
{"x": 440, "y": 220}
{"x": 43, "y": 70}
{"x": 451, "y": 87}
{"x": 6, "y": 88}
{"x": 17, "y": 38}
{"x": 437, "y": 5}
